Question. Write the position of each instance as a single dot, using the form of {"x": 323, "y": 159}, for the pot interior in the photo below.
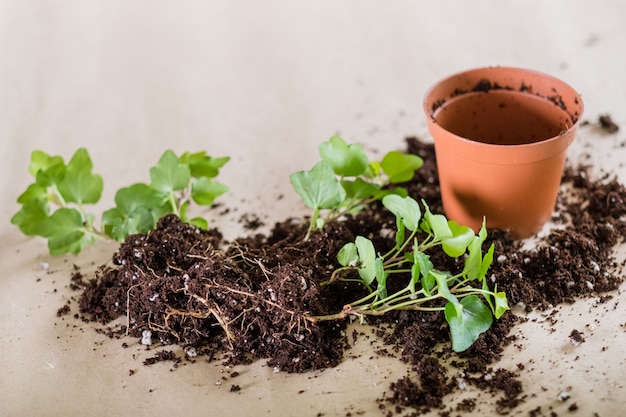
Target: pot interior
{"x": 502, "y": 117}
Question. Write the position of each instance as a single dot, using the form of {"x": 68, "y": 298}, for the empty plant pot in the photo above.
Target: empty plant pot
{"x": 501, "y": 136}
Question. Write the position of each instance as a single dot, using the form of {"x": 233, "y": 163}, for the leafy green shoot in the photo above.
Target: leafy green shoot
{"x": 469, "y": 305}
{"x": 346, "y": 180}
{"x": 54, "y": 206}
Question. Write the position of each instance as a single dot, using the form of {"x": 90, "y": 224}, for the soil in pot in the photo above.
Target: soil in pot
{"x": 248, "y": 298}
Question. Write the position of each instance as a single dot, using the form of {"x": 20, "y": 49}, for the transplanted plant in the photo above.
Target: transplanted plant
{"x": 54, "y": 206}
{"x": 346, "y": 180}
{"x": 463, "y": 292}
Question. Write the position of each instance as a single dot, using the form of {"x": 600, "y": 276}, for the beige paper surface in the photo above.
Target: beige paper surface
{"x": 265, "y": 83}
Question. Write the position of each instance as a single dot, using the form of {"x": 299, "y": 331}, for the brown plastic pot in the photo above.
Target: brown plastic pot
{"x": 501, "y": 135}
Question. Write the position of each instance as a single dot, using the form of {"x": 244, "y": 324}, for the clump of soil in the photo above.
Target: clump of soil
{"x": 255, "y": 297}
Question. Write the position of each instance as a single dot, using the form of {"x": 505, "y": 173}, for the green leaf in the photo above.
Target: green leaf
{"x": 442, "y": 285}
{"x": 120, "y": 225}
{"x": 41, "y": 161}
{"x": 373, "y": 170}
{"x": 52, "y": 176}
{"x": 436, "y": 224}
{"x": 199, "y": 222}
{"x": 139, "y": 195}
{"x": 502, "y": 304}
{"x": 367, "y": 258}
{"x": 400, "y": 233}
{"x": 486, "y": 263}
{"x": 359, "y": 189}
{"x": 424, "y": 262}
{"x": 348, "y": 255}
{"x": 345, "y": 160}
{"x": 34, "y": 192}
{"x": 474, "y": 261}
{"x": 405, "y": 208}
{"x": 468, "y": 320}
{"x": 400, "y": 167}
{"x": 399, "y": 191}
{"x": 202, "y": 165}
{"x": 415, "y": 277}
{"x": 65, "y": 232}
{"x": 80, "y": 185}
{"x": 456, "y": 245}
{"x": 204, "y": 191}
{"x": 425, "y": 268}
{"x": 169, "y": 174}
{"x": 30, "y": 217}
{"x": 381, "y": 278}
{"x": 319, "y": 188}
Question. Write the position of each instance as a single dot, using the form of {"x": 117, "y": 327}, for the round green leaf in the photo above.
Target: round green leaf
{"x": 405, "y": 208}
{"x": 319, "y": 188}
{"x": 468, "y": 320}
{"x": 400, "y": 167}
{"x": 346, "y": 160}
{"x": 456, "y": 245}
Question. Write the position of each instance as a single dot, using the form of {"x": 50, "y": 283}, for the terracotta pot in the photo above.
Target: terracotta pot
{"x": 501, "y": 136}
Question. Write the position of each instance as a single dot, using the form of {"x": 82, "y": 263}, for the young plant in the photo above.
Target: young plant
{"x": 463, "y": 292}
{"x": 345, "y": 180}
{"x": 54, "y": 206}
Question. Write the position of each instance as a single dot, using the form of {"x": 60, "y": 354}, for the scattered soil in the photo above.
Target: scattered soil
{"x": 252, "y": 298}
{"x": 608, "y": 124}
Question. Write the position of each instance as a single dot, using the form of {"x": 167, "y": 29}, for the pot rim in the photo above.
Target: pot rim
{"x": 430, "y": 105}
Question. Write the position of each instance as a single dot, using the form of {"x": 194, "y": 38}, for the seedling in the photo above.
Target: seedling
{"x": 467, "y": 315}
{"x": 345, "y": 180}
{"x": 54, "y": 206}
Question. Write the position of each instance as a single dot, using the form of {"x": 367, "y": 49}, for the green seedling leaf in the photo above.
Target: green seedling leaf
{"x": 199, "y": 222}
{"x": 30, "y": 217}
{"x": 80, "y": 185}
{"x": 424, "y": 262}
{"x": 486, "y": 263}
{"x": 400, "y": 233}
{"x": 374, "y": 170}
{"x": 348, "y": 255}
{"x": 202, "y": 165}
{"x": 41, "y": 161}
{"x": 456, "y": 245}
{"x": 34, "y": 192}
{"x": 138, "y": 195}
{"x": 319, "y": 188}
{"x": 359, "y": 189}
{"x": 415, "y": 277}
{"x": 345, "y": 160}
{"x": 442, "y": 285}
{"x": 400, "y": 167}
{"x": 65, "y": 232}
{"x": 436, "y": 224}
{"x": 367, "y": 259}
{"x": 169, "y": 174}
{"x": 473, "y": 263}
{"x": 468, "y": 320}
{"x": 405, "y": 208}
{"x": 399, "y": 191}
{"x": 120, "y": 225}
{"x": 381, "y": 278}
{"x": 502, "y": 304}
{"x": 204, "y": 191}
{"x": 51, "y": 176}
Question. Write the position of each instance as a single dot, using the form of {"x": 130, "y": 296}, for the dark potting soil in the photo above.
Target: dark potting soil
{"x": 252, "y": 298}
